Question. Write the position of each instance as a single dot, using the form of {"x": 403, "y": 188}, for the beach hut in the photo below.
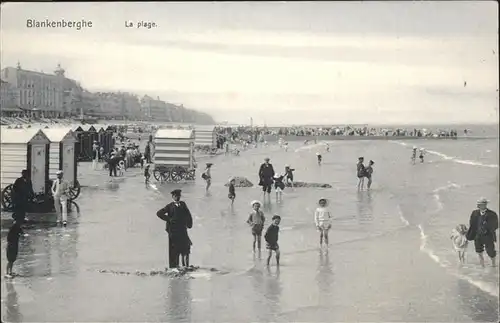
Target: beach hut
{"x": 173, "y": 154}
{"x": 23, "y": 149}
{"x": 62, "y": 156}
{"x": 205, "y": 136}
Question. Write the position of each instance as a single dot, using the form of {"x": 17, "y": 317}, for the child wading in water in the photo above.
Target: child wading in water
{"x": 322, "y": 219}
{"x": 369, "y": 172}
{"x": 207, "y": 176}
{"x": 147, "y": 175}
{"x": 279, "y": 186}
{"x": 271, "y": 237}
{"x": 232, "y": 192}
{"x": 318, "y": 155}
{"x": 361, "y": 172}
{"x": 289, "y": 175}
{"x": 256, "y": 222}
{"x": 13, "y": 236}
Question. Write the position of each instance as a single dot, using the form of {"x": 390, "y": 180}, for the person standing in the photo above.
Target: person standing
{"x": 95, "y": 155}
{"x": 113, "y": 163}
{"x": 207, "y": 175}
{"x": 178, "y": 219}
{"x": 369, "y": 172}
{"x": 266, "y": 175}
{"x": 360, "y": 172}
{"x": 60, "y": 190}
{"x": 13, "y": 236}
{"x": 482, "y": 229}
{"x": 22, "y": 194}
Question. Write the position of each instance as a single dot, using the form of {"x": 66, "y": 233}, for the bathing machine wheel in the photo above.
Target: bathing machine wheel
{"x": 7, "y": 197}
{"x": 74, "y": 191}
{"x": 177, "y": 174}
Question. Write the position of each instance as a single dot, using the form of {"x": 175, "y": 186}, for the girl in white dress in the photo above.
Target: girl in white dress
{"x": 322, "y": 220}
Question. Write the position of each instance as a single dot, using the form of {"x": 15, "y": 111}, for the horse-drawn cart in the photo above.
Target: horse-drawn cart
{"x": 173, "y": 156}
{"x": 25, "y": 149}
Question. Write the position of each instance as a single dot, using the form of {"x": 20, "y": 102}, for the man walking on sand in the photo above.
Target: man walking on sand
{"x": 482, "y": 229}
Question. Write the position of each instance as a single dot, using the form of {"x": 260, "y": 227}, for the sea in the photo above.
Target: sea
{"x": 390, "y": 256}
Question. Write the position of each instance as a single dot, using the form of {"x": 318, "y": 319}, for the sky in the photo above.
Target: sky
{"x": 277, "y": 62}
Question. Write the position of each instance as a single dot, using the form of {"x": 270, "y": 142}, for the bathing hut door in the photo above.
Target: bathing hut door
{"x": 68, "y": 157}
{"x": 39, "y": 162}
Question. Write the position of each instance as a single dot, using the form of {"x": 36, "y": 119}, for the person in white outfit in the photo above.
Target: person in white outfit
{"x": 95, "y": 155}
{"x": 60, "y": 190}
{"x": 322, "y": 219}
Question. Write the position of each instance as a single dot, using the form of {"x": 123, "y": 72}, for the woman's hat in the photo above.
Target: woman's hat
{"x": 482, "y": 200}
{"x": 322, "y": 199}
{"x": 266, "y": 159}
{"x": 255, "y": 202}
{"x": 287, "y": 166}
{"x": 176, "y": 192}
{"x": 59, "y": 172}
{"x": 231, "y": 179}
{"x": 276, "y": 175}
{"x": 361, "y": 158}
{"x": 372, "y": 162}
{"x": 317, "y": 154}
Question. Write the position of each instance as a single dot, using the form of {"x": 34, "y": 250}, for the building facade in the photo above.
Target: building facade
{"x": 8, "y": 97}
{"x": 154, "y": 109}
{"x": 48, "y": 93}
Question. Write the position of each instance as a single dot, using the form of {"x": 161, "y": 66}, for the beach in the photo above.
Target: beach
{"x": 390, "y": 256}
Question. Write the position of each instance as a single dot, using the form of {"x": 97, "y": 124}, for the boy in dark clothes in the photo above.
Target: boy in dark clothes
{"x": 271, "y": 237}
{"x": 147, "y": 175}
{"x": 13, "y": 246}
{"x": 232, "y": 191}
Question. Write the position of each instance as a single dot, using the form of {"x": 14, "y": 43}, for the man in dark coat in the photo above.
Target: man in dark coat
{"x": 22, "y": 194}
{"x": 482, "y": 229}
{"x": 178, "y": 219}
{"x": 266, "y": 175}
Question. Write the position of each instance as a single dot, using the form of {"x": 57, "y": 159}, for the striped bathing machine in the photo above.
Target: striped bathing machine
{"x": 173, "y": 154}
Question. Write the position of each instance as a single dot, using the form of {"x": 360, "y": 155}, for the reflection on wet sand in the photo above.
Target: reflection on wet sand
{"x": 364, "y": 206}
{"x": 12, "y": 309}
{"x": 477, "y": 306}
{"x": 178, "y": 301}
{"x": 273, "y": 290}
{"x": 324, "y": 275}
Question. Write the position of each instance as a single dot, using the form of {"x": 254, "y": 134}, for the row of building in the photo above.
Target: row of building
{"x": 55, "y": 95}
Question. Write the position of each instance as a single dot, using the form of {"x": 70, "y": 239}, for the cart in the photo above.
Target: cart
{"x": 173, "y": 155}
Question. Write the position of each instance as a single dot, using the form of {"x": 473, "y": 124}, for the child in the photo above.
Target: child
{"x": 147, "y": 175}
{"x": 271, "y": 237}
{"x": 185, "y": 254}
{"x": 121, "y": 167}
{"x": 232, "y": 192}
{"x": 256, "y": 222}
{"x": 319, "y": 158}
{"x": 369, "y": 172}
{"x": 459, "y": 239}
{"x": 422, "y": 150}
{"x": 286, "y": 146}
{"x": 361, "y": 172}
{"x": 142, "y": 160}
{"x": 13, "y": 246}
{"x": 207, "y": 176}
{"x": 327, "y": 147}
{"x": 289, "y": 175}
{"x": 322, "y": 219}
{"x": 279, "y": 186}
{"x": 414, "y": 155}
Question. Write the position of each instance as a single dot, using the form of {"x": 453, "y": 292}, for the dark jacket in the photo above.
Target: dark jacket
{"x": 22, "y": 190}
{"x": 266, "y": 173}
{"x": 490, "y": 225}
{"x": 178, "y": 219}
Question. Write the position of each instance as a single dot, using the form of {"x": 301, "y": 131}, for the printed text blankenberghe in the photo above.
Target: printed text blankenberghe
{"x": 61, "y": 23}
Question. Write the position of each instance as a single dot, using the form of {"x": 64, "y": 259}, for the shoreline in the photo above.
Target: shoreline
{"x": 271, "y": 138}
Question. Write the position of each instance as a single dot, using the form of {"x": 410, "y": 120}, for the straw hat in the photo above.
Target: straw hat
{"x": 255, "y": 202}
{"x": 482, "y": 200}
